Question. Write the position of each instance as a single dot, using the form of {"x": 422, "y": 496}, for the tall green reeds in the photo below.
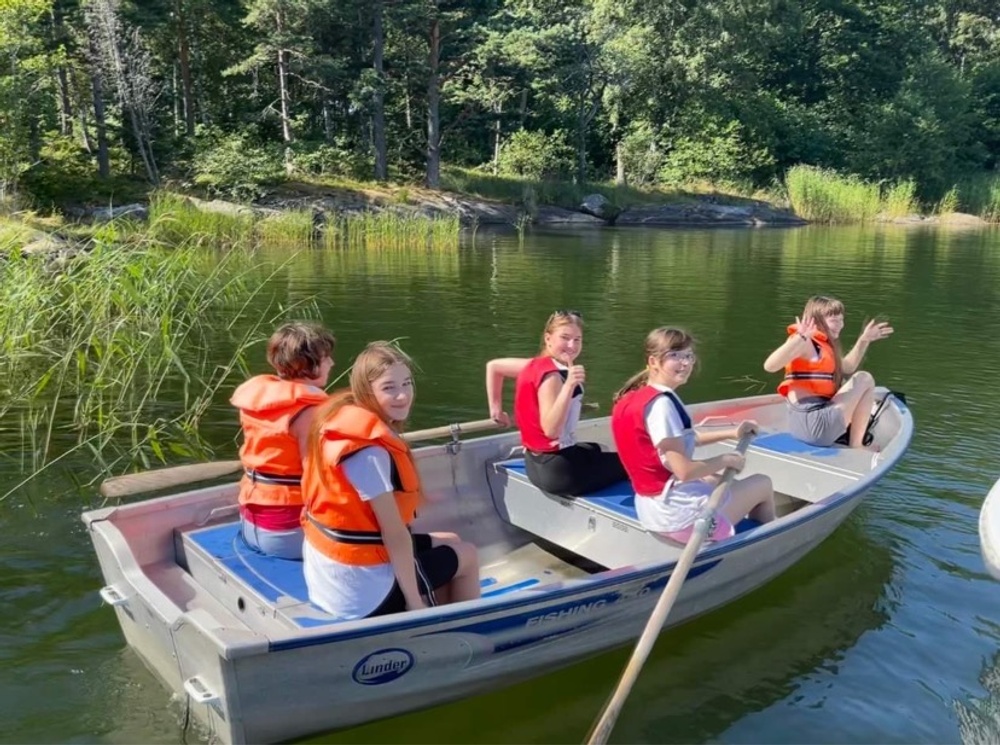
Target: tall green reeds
{"x": 819, "y": 195}
{"x": 900, "y": 199}
{"x": 176, "y": 221}
{"x": 980, "y": 195}
{"x": 119, "y": 353}
{"x": 391, "y": 230}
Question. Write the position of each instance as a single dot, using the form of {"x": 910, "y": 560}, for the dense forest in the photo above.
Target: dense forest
{"x": 232, "y": 94}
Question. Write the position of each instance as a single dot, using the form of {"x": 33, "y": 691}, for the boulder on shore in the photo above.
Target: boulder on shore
{"x": 600, "y": 207}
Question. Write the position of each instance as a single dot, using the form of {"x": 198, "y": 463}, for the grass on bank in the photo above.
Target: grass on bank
{"x": 175, "y": 221}
{"x": 826, "y": 196}
{"x": 117, "y": 354}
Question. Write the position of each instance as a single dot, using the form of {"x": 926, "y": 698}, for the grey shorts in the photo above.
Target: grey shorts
{"x": 815, "y": 421}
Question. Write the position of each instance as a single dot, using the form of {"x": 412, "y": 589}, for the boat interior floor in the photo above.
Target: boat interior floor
{"x": 269, "y": 594}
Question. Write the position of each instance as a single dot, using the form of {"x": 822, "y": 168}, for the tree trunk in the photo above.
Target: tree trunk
{"x": 496, "y": 138}
{"x": 581, "y": 148}
{"x": 184, "y": 61}
{"x": 434, "y": 106}
{"x": 62, "y": 77}
{"x": 378, "y": 103}
{"x": 286, "y": 97}
{"x": 522, "y": 109}
{"x": 65, "y": 106}
{"x": 178, "y": 105}
{"x": 100, "y": 125}
{"x": 620, "y": 163}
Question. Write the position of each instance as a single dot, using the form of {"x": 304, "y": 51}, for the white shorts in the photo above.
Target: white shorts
{"x": 674, "y": 513}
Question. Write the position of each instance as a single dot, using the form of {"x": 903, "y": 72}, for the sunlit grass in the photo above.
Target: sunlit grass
{"x": 391, "y": 230}
{"x": 980, "y": 195}
{"x": 119, "y": 350}
{"x": 900, "y": 200}
{"x": 828, "y": 197}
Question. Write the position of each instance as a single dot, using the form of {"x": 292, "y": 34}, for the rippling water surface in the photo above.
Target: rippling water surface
{"x": 888, "y": 632}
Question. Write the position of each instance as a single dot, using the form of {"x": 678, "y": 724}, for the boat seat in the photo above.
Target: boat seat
{"x": 591, "y": 525}
{"x": 271, "y": 589}
{"x": 247, "y": 582}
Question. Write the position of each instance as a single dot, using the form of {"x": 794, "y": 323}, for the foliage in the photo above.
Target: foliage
{"x": 642, "y": 155}
{"x": 243, "y": 94}
{"x": 236, "y": 166}
{"x": 103, "y": 355}
{"x": 717, "y": 150}
{"x": 536, "y": 155}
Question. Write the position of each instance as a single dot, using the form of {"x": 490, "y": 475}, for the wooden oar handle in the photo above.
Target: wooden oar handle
{"x": 449, "y": 430}
{"x": 606, "y": 721}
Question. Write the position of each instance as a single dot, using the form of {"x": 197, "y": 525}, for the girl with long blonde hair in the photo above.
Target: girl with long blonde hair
{"x": 361, "y": 490}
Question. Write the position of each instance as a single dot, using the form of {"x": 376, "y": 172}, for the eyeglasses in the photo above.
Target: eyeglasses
{"x": 679, "y": 356}
{"x": 563, "y": 312}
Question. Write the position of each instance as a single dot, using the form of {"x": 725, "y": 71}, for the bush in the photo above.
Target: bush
{"x": 235, "y": 166}
{"x": 65, "y": 171}
{"x": 642, "y": 157}
{"x": 714, "y": 150}
{"x": 339, "y": 160}
{"x": 536, "y": 155}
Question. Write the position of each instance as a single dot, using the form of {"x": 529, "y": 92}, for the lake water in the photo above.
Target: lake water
{"x": 888, "y": 632}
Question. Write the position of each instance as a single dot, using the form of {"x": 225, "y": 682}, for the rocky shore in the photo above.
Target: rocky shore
{"x": 594, "y": 211}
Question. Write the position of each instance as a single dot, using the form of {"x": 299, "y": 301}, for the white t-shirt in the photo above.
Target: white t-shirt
{"x": 345, "y": 590}
{"x": 568, "y": 435}
{"x": 678, "y": 505}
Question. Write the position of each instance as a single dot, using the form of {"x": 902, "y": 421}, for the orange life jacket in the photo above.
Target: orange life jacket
{"x": 807, "y": 377}
{"x": 337, "y": 522}
{"x": 270, "y": 454}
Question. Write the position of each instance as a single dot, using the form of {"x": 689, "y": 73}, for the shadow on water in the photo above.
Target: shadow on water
{"x": 702, "y": 676}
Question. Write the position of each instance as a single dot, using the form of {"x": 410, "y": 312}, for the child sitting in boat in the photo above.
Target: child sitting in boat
{"x": 827, "y": 395}
{"x": 656, "y": 442}
{"x": 548, "y": 398}
{"x": 275, "y": 414}
{"x": 362, "y": 491}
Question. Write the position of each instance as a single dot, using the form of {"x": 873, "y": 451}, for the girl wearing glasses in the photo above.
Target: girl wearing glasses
{"x": 656, "y": 443}
{"x": 827, "y": 395}
{"x": 548, "y": 398}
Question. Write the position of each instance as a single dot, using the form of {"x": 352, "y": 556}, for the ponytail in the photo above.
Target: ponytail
{"x": 634, "y": 383}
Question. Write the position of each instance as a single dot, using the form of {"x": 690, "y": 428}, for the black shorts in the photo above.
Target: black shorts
{"x": 436, "y": 566}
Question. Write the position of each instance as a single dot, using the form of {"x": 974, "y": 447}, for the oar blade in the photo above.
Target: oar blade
{"x": 164, "y": 478}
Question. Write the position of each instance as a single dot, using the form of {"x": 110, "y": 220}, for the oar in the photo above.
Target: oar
{"x": 606, "y": 722}
{"x": 164, "y": 478}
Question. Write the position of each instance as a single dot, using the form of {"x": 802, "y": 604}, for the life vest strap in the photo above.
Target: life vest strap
{"x": 354, "y": 537}
{"x": 259, "y": 477}
{"x": 809, "y": 376}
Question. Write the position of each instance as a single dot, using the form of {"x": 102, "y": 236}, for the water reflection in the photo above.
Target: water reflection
{"x": 886, "y": 616}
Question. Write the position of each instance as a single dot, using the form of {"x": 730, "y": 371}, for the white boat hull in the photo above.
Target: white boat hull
{"x": 252, "y": 680}
{"x": 989, "y": 531}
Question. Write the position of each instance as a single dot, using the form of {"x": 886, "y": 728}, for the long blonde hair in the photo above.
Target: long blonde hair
{"x": 369, "y": 366}
{"x": 658, "y": 343}
{"x": 818, "y": 307}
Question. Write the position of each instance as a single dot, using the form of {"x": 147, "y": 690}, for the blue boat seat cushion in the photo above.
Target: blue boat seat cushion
{"x": 618, "y": 498}
{"x": 277, "y": 579}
